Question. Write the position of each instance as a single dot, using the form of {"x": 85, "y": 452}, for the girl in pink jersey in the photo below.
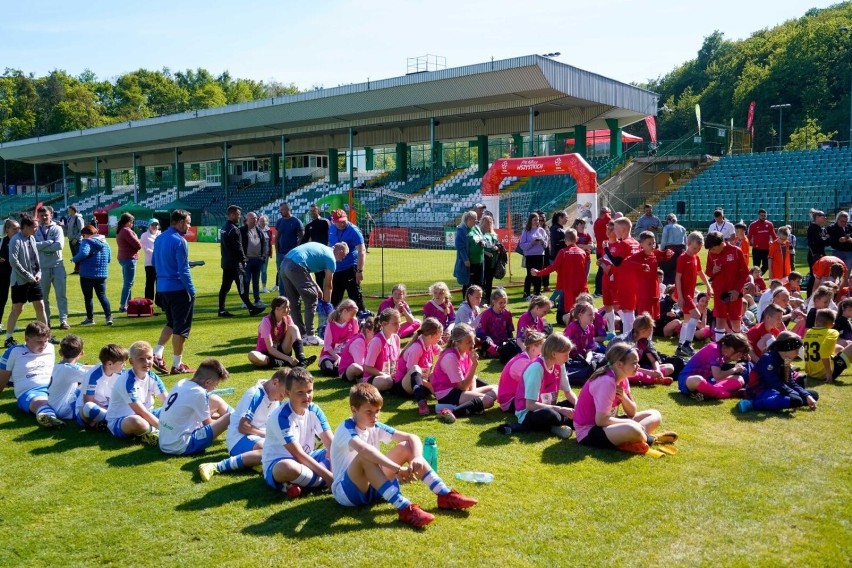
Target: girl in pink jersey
{"x": 596, "y": 418}
{"x": 495, "y": 324}
{"x": 440, "y": 306}
{"x": 414, "y": 368}
{"x": 352, "y": 356}
{"x": 454, "y": 379}
{"x": 533, "y": 318}
{"x": 709, "y": 375}
{"x": 513, "y": 372}
{"x": 536, "y": 394}
{"x": 397, "y": 301}
{"x": 279, "y": 342}
{"x": 584, "y": 358}
{"x": 341, "y": 327}
{"x": 383, "y": 351}
{"x": 652, "y": 370}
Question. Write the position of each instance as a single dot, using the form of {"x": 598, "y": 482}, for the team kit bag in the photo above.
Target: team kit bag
{"x": 140, "y": 308}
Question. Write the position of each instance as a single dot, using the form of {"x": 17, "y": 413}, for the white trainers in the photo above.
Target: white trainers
{"x": 311, "y": 340}
{"x": 264, "y": 291}
{"x": 274, "y": 289}
{"x": 207, "y": 470}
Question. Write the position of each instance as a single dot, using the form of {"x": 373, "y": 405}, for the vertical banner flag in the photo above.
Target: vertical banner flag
{"x": 750, "y": 124}
{"x": 731, "y": 141}
{"x": 698, "y": 117}
{"x": 651, "y": 124}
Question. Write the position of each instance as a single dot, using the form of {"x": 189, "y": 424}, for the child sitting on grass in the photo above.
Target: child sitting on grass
{"x": 414, "y": 367}
{"x": 538, "y": 391}
{"x": 352, "y": 356}
{"x": 383, "y": 351}
{"x": 470, "y": 309}
{"x": 364, "y": 475}
{"x": 440, "y": 306}
{"x": 340, "y": 328}
{"x": 290, "y": 461}
{"x": 192, "y": 417}
{"x": 278, "y": 339}
{"x": 824, "y": 358}
{"x": 93, "y": 399}
{"x": 772, "y": 383}
{"x": 67, "y": 376}
{"x": 533, "y": 318}
{"x": 247, "y": 427}
{"x": 596, "y": 417}
{"x": 708, "y": 374}
{"x": 30, "y": 366}
{"x": 495, "y": 324}
{"x": 652, "y": 369}
{"x": 397, "y": 301}
{"x": 131, "y": 411}
{"x": 513, "y": 372}
{"x": 763, "y": 334}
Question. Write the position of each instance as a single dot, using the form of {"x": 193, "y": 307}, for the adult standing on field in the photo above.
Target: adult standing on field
{"x": 840, "y": 237}
{"x": 147, "y": 239}
{"x": 288, "y": 234}
{"x": 50, "y": 241}
{"x": 350, "y": 270}
{"x": 255, "y": 245}
{"x": 129, "y": 246}
{"x": 26, "y": 275}
{"x": 75, "y": 225}
{"x": 817, "y": 241}
{"x": 722, "y": 225}
{"x": 461, "y": 269}
{"x": 760, "y": 234}
{"x": 647, "y": 222}
{"x": 233, "y": 264}
{"x": 316, "y": 231}
{"x": 176, "y": 290}
{"x": 599, "y": 231}
{"x": 674, "y": 239}
{"x": 296, "y": 269}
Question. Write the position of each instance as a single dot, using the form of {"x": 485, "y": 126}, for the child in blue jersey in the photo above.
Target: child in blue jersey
{"x": 93, "y": 398}
{"x": 290, "y": 460}
{"x": 66, "y": 378}
{"x": 772, "y": 384}
{"x": 131, "y": 411}
{"x": 363, "y": 474}
{"x": 30, "y": 366}
{"x": 192, "y": 417}
{"x": 247, "y": 429}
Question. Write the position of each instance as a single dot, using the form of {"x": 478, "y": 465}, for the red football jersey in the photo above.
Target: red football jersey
{"x": 727, "y": 270}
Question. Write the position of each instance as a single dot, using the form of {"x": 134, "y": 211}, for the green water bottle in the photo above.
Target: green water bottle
{"x": 430, "y": 452}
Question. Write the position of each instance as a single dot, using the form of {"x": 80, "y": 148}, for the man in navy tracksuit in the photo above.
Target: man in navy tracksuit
{"x": 233, "y": 263}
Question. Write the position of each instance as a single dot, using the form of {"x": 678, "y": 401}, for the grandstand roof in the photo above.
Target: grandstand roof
{"x": 490, "y": 98}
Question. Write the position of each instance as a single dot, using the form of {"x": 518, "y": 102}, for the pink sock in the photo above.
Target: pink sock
{"x": 641, "y": 379}
{"x": 712, "y": 391}
{"x": 408, "y": 329}
{"x": 730, "y": 385}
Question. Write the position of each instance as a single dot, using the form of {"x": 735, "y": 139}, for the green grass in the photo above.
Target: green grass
{"x": 753, "y": 490}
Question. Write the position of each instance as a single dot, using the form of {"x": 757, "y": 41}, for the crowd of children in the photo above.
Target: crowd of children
{"x": 749, "y": 355}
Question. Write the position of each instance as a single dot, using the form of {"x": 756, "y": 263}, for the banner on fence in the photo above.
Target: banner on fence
{"x": 389, "y": 237}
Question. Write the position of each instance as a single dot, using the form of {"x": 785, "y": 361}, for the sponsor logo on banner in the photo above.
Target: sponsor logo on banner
{"x": 530, "y": 166}
{"x": 504, "y": 165}
{"x": 429, "y": 238}
{"x": 508, "y": 238}
{"x": 389, "y": 237}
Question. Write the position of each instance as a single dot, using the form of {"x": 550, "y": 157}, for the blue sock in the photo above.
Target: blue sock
{"x": 230, "y": 464}
{"x": 93, "y": 412}
{"x": 307, "y": 478}
{"x": 390, "y": 492}
{"x": 435, "y": 484}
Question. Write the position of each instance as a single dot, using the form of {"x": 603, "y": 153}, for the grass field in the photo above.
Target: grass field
{"x": 745, "y": 490}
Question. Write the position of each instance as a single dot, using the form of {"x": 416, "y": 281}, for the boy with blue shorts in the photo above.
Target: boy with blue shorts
{"x": 30, "y": 367}
{"x": 192, "y": 417}
{"x": 290, "y": 460}
{"x": 96, "y": 388}
{"x": 247, "y": 429}
{"x": 66, "y": 378}
{"x": 131, "y": 411}
{"x": 363, "y": 474}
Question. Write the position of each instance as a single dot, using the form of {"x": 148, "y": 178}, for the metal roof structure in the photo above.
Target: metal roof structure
{"x": 492, "y": 98}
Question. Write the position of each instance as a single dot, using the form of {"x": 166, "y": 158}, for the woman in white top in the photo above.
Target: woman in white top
{"x": 147, "y": 239}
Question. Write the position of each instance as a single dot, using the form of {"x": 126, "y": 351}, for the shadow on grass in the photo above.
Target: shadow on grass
{"x": 762, "y": 415}
{"x": 684, "y": 400}
{"x": 140, "y": 456}
{"x": 319, "y": 516}
{"x": 248, "y": 487}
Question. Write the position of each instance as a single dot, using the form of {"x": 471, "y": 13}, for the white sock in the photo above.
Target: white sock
{"x": 610, "y": 321}
{"x": 176, "y": 360}
{"x": 627, "y": 318}
{"x": 719, "y": 334}
{"x": 690, "y": 329}
{"x": 158, "y": 350}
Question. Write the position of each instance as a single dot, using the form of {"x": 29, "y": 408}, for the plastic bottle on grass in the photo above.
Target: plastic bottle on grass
{"x": 430, "y": 452}
{"x": 475, "y": 476}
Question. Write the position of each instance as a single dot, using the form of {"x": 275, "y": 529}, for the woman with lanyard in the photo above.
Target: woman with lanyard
{"x": 674, "y": 239}
{"x": 817, "y": 241}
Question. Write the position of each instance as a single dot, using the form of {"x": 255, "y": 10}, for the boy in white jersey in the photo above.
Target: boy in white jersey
{"x": 247, "y": 429}
{"x": 192, "y": 417}
{"x": 30, "y": 366}
{"x": 93, "y": 399}
{"x": 65, "y": 379}
{"x": 363, "y": 474}
{"x": 131, "y": 404}
{"x": 290, "y": 460}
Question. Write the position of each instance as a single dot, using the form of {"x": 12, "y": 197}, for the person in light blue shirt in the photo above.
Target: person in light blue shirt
{"x": 674, "y": 239}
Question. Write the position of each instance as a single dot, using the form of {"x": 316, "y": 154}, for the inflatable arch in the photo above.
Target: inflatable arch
{"x": 572, "y": 164}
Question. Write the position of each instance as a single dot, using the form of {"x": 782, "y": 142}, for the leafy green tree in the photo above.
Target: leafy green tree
{"x": 807, "y": 136}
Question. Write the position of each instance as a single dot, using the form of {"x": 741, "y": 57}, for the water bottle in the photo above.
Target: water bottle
{"x": 475, "y": 476}
{"x": 224, "y": 391}
{"x": 430, "y": 452}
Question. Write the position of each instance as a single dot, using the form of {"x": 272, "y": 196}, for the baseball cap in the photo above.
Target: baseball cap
{"x": 338, "y": 215}
{"x": 153, "y": 221}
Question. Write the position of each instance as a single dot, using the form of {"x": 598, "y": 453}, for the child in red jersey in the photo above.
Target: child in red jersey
{"x": 728, "y": 272}
{"x": 608, "y": 280}
{"x": 570, "y": 267}
{"x": 625, "y": 286}
{"x": 686, "y": 277}
{"x": 642, "y": 268}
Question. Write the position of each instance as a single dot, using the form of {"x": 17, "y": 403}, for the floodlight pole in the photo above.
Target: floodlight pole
{"x": 780, "y": 108}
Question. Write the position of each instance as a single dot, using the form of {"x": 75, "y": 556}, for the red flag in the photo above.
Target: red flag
{"x": 652, "y": 128}
{"x": 750, "y": 120}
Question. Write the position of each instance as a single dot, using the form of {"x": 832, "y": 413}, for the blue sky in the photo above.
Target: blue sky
{"x": 332, "y": 42}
